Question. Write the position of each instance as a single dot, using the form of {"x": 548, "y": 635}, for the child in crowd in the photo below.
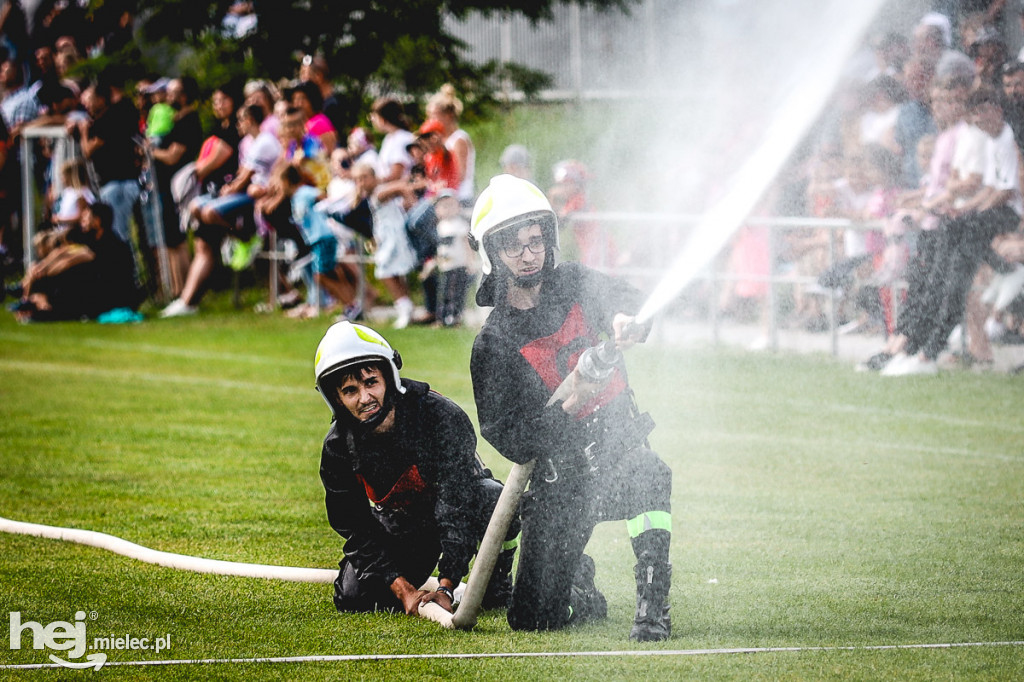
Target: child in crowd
{"x": 160, "y": 118}
{"x": 75, "y": 195}
{"x": 868, "y": 193}
{"x": 455, "y": 258}
{"x": 394, "y": 257}
{"x": 318, "y": 237}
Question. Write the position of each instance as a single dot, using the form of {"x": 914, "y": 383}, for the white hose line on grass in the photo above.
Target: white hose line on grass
{"x": 168, "y": 559}
{"x": 531, "y": 654}
{"x": 184, "y": 562}
{"x": 429, "y": 611}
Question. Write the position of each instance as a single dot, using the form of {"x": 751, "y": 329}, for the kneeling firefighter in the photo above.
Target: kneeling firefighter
{"x": 403, "y": 482}
{"x": 536, "y": 402}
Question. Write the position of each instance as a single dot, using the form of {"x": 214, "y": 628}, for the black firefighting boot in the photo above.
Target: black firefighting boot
{"x": 499, "y": 589}
{"x": 586, "y": 601}
{"x": 652, "y": 622}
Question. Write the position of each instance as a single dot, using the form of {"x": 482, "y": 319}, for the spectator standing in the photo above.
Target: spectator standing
{"x": 440, "y": 165}
{"x": 954, "y": 169}
{"x": 315, "y": 70}
{"x": 393, "y": 159}
{"x": 394, "y": 257}
{"x": 989, "y": 53}
{"x": 455, "y": 259}
{"x": 177, "y": 148}
{"x": 595, "y": 247}
{"x": 1013, "y": 93}
{"x": 307, "y": 97}
{"x": 932, "y": 43}
{"x": 914, "y": 119}
{"x": 240, "y": 19}
{"x": 884, "y": 97}
{"x": 108, "y": 142}
{"x": 515, "y": 160}
{"x": 263, "y": 95}
{"x": 157, "y": 114}
{"x": 445, "y": 107}
{"x": 8, "y": 199}
{"x": 19, "y": 105}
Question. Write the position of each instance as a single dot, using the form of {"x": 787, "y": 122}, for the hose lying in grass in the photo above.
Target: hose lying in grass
{"x": 184, "y": 562}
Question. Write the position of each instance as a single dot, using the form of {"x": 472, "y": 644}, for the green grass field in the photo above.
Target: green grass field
{"x": 813, "y": 507}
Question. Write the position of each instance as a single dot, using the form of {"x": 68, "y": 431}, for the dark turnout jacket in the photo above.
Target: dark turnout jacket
{"x": 420, "y": 479}
{"x": 521, "y": 356}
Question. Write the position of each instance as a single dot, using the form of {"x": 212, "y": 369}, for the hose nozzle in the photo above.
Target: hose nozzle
{"x": 597, "y": 362}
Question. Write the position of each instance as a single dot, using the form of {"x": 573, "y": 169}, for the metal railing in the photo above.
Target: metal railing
{"x": 674, "y": 228}
{"x": 64, "y": 149}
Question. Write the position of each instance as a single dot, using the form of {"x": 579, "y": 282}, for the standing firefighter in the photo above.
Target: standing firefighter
{"x": 404, "y": 485}
{"x": 588, "y": 439}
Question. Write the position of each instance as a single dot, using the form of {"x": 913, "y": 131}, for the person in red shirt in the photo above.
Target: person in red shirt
{"x": 442, "y": 169}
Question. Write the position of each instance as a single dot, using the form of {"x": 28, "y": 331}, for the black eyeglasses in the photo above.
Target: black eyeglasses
{"x": 515, "y": 249}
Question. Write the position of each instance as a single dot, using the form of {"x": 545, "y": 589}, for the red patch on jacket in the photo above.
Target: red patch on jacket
{"x": 554, "y": 357}
{"x": 409, "y": 486}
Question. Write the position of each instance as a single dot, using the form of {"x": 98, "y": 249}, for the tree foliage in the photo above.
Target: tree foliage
{"x": 370, "y": 45}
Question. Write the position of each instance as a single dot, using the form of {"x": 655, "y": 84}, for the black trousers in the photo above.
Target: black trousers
{"x": 922, "y": 302}
{"x": 415, "y": 555}
{"x": 963, "y": 245}
{"x": 558, "y": 519}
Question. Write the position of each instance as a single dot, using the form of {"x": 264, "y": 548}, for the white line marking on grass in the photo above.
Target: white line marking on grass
{"x": 825, "y": 445}
{"x": 155, "y": 349}
{"x": 86, "y": 370}
{"x": 534, "y": 654}
{"x": 776, "y": 402}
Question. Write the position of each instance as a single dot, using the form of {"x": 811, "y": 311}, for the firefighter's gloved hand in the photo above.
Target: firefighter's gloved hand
{"x": 627, "y": 331}
{"x": 581, "y": 392}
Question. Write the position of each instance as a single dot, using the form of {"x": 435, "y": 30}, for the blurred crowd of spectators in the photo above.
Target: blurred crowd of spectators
{"x": 920, "y": 148}
{"x": 278, "y": 159}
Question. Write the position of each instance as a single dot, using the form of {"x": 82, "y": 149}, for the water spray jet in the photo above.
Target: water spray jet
{"x": 812, "y": 86}
{"x": 811, "y": 90}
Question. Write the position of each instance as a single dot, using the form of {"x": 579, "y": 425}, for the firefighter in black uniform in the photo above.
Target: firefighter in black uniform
{"x": 588, "y": 439}
{"x": 403, "y": 482}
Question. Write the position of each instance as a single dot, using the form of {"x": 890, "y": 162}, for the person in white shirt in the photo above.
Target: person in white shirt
{"x": 994, "y": 209}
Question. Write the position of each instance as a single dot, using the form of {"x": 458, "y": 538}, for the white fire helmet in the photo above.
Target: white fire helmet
{"x": 509, "y": 201}
{"x": 345, "y": 345}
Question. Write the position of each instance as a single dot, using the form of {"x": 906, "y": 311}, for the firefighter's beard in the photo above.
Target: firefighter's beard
{"x": 528, "y": 281}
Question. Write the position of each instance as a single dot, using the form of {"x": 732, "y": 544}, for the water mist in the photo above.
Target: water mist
{"x": 730, "y": 104}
